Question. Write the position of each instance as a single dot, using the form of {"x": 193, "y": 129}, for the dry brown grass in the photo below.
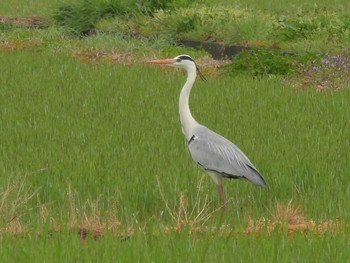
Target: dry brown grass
{"x": 14, "y": 197}
{"x": 112, "y": 56}
{"x": 288, "y": 218}
{"x": 14, "y": 44}
{"x": 15, "y": 227}
{"x": 207, "y": 65}
{"x": 31, "y": 21}
{"x": 91, "y": 221}
{"x": 183, "y": 216}
{"x": 88, "y": 220}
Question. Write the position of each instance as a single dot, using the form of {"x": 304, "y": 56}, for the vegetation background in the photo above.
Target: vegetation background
{"x": 93, "y": 165}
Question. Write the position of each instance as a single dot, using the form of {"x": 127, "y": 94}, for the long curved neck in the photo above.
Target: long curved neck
{"x": 187, "y": 121}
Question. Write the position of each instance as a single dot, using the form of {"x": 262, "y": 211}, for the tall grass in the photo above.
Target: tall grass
{"x": 42, "y": 7}
{"x": 109, "y": 135}
{"x": 274, "y": 5}
{"x": 27, "y": 8}
{"x": 93, "y": 165}
{"x": 178, "y": 248}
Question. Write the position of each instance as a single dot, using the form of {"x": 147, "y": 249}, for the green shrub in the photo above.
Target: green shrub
{"x": 261, "y": 62}
{"x": 81, "y": 16}
{"x": 217, "y": 23}
{"x": 311, "y": 25}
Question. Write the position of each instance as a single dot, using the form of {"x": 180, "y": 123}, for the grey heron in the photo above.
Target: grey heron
{"x": 213, "y": 152}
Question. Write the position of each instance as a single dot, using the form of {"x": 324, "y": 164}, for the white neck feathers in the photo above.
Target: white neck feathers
{"x": 187, "y": 121}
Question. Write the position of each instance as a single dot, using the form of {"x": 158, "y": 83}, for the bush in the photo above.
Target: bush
{"x": 311, "y": 25}
{"x": 80, "y": 17}
{"x": 261, "y": 62}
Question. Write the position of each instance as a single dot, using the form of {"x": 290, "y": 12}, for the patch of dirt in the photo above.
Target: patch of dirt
{"x": 83, "y": 232}
{"x": 18, "y": 44}
{"x": 206, "y": 65}
{"x": 113, "y": 56}
{"x": 211, "y": 66}
{"x": 15, "y": 227}
{"x": 31, "y": 21}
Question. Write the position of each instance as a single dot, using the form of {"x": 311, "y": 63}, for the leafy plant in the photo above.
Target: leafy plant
{"x": 80, "y": 17}
{"x": 260, "y": 62}
{"x": 310, "y": 25}
{"x": 215, "y": 23}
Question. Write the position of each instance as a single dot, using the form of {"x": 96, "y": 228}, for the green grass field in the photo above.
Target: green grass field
{"x": 27, "y": 8}
{"x": 95, "y": 148}
{"x": 101, "y": 136}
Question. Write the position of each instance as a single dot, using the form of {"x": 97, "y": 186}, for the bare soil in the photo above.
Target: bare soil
{"x": 31, "y": 21}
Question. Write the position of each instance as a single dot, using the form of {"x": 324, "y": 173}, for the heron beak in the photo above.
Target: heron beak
{"x": 163, "y": 61}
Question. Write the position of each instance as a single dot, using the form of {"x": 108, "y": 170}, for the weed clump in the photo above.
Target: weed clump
{"x": 80, "y": 17}
{"x": 330, "y": 71}
{"x": 300, "y": 69}
{"x": 260, "y": 62}
{"x": 311, "y": 24}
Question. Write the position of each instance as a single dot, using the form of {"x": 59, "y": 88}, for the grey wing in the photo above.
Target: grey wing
{"x": 215, "y": 153}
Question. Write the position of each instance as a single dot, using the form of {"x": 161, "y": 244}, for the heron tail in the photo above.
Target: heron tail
{"x": 255, "y": 177}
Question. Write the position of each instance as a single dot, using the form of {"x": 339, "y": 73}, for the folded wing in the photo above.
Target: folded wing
{"x": 215, "y": 153}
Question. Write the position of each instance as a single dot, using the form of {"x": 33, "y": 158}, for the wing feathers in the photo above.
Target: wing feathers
{"x": 216, "y": 153}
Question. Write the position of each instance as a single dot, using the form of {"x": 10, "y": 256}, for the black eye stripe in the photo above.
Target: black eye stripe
{"x": 184, "y": 57}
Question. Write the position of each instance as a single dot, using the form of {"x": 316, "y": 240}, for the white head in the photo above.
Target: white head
{"x": 184, "y": 61}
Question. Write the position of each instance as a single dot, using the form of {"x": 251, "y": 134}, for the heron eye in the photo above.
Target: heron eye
{"x": 178, "y": 60}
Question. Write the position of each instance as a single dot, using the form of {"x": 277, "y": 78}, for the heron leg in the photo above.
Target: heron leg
{"x": 220, "y": 188}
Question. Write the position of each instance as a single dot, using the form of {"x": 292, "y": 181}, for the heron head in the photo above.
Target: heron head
{"x": 181, "y": 61}
{"x": 184, "y": 61}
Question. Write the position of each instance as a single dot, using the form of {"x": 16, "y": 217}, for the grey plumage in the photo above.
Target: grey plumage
{"x": 217, "y": 154}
